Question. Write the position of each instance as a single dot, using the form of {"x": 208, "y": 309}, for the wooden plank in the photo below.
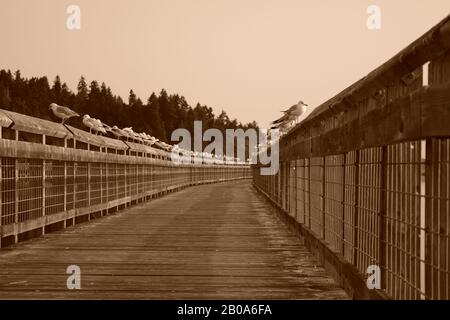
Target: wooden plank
{"x": 421, "y": 114}
{"x": 30, "y": 124}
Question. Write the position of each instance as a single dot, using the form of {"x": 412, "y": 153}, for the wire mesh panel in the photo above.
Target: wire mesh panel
{"x": 54, "y": 186}
{"x": 302, "y": 191}
{"x": 437, "y": 244}
{"x": 70, "y": 185}
{"x": 300, "y": 196}
{"x": 403, "y": 220}
{"x": 95, "y": 181}
{"x": 29, "y": 189}
{"x": 131, "y": 180}
{"x": 316, "y": 195}
{"x": 284, "y": 185}
{"x": 368, "y": 208}
{"x": 277, "y": 187}
{"x": 140, "y": 178}
{"x": 334, "y": 196}
{"x": 292, "y": 189}
{"x": 111, "y": 177}
{"x": 350, "y": 197}
{"x": 81, "y": 190}
{"x": 104, "y": 174}
{"x": 120, "y": 181}
{"x": 148, "y": 178}
{"x": 163, "y": 177}
{"x": 8, "y": 190}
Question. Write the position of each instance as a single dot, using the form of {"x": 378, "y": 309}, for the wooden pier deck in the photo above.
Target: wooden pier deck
{"x": 217, "y": 241}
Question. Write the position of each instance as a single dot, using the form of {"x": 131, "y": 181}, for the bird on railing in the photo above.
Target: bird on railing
{"x": 91, "y": 124}
{"x": 118, "y": 132}
{"x": 61, "y": 112}
{"x": 290, "y": 116}
{"x": 100, "y": 127}
{"x": 297, "y": 109}
{"x": 129, "y": 131}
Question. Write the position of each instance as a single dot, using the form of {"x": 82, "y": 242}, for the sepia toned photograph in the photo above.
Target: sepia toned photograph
{"x": 225, "y": 155}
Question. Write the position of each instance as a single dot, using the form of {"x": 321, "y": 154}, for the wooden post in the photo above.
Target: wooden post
{"x": 429, "y": 177}
{"x": 1, "y": 194}
{"x": 324, "y": 178}
{"x": 43, "y": 189}
{"x": 101, "y": 185}
{"x": 295, "y": 189}
{"x": 383, "y": 213}
{"x": 89, "y": 188}
{"x": 116, "y": 179}
{"x": 432, "y": 245}
{"x": 344, "y": 162}
{"x": 16, "y": 196}
{"x": 65, "y": 187}
{"x": 356, "y": 211}
{"x": 309, "y": 193}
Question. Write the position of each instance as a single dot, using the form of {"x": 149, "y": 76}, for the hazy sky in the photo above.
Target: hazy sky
{"x": 249, "y": 57}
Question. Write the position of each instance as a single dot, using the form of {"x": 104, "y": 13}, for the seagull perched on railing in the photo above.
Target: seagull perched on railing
{"x": 92, "y": 124}
{"x": 118, "y": 132}
{"x": 289, "y": 117}
{"x": 297, "y": 109}
{"x": 61, "y": 112}
{"x": 100, "y": 127}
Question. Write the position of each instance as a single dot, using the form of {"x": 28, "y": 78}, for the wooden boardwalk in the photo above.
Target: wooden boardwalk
{"x": 205, "y": 242}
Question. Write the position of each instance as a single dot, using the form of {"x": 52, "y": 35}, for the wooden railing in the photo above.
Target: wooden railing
{"x": 53, "y": 176}
{"x": 368, "y": 173}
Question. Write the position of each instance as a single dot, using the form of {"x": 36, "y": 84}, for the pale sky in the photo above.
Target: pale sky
{"x": 251, "y": 58}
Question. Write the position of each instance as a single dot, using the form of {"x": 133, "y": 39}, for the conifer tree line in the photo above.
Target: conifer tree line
{"x": 159, "y": 115}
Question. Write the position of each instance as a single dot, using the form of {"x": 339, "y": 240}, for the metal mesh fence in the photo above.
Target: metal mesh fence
{"x": 8, "y": 190}
{"x": 385, "y": 206}
{"x": 437, "y": 220}
{"x": 54, "y": 186}
{"x": 316, "y": 195}
{"x": 81, "y": 188}
{"x": 29, "y": 189}
{"x": 34, "y": 188}
{"x": 368, "y": 209}
{"x": 334, "y": 199}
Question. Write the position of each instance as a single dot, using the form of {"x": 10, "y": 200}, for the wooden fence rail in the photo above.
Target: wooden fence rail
{"x": 52, "y": 176}
{"x": 368, "y": 172}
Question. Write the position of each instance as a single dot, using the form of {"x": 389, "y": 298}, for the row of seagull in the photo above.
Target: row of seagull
{"x": 289, "y": 118}
{"x": 98, "y": 127}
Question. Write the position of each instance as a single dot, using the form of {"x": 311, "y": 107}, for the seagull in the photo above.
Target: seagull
{"x": 290, "y": 117}
{"x": 118, "y": 132}
{"x": 61, "y": 112}
{"x": 297, "y": 109}
{"x": 131, "y": 133}
{"x": 99, "y": 124}
{"x": 90, "y": 123}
